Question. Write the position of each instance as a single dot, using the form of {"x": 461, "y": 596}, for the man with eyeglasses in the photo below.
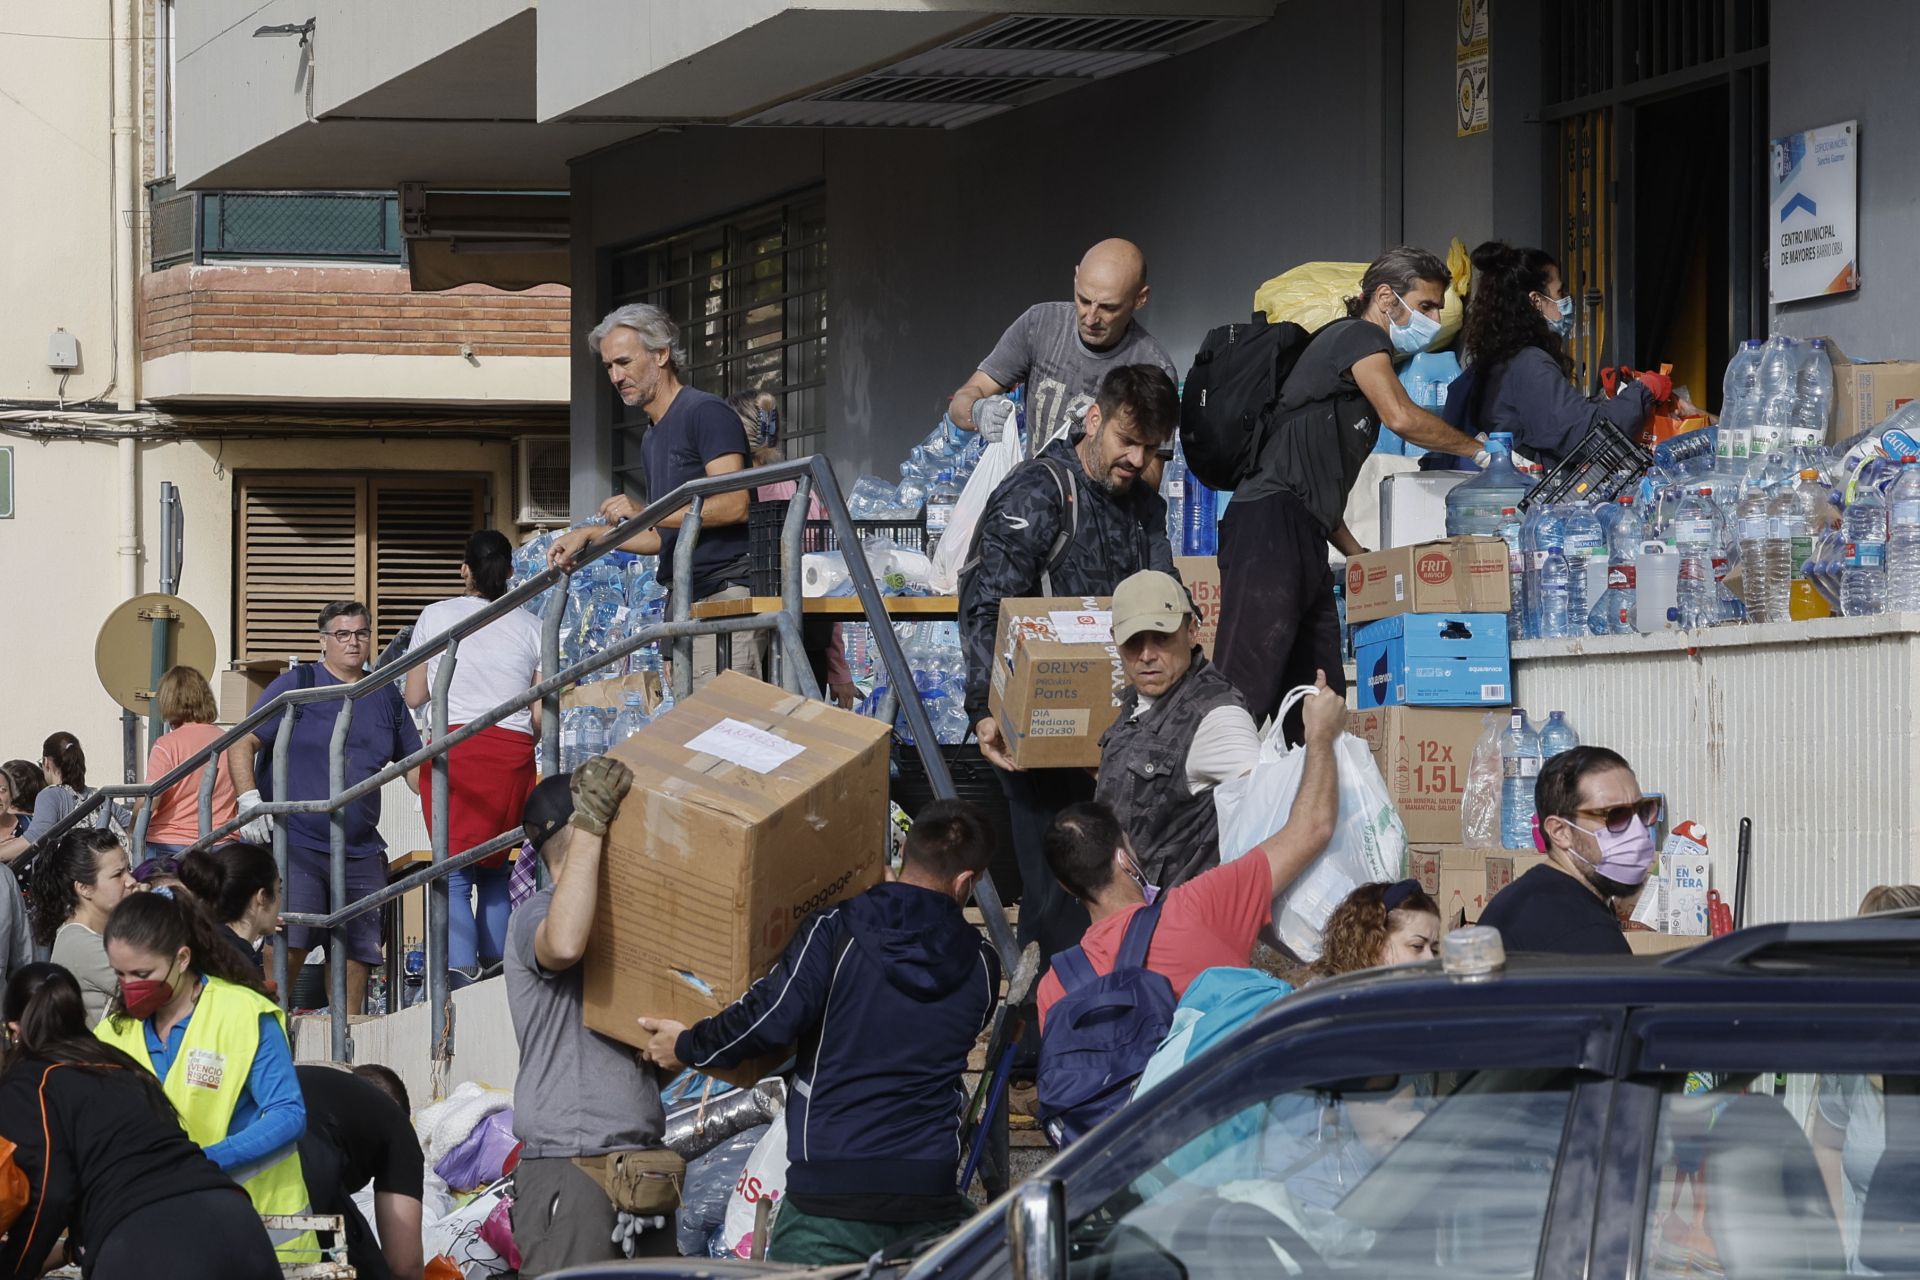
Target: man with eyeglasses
{"x": 1596, "y": 829}
{"x": 380, "y": 732}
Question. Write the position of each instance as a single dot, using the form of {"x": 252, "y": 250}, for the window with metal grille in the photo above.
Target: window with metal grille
{"x": 750, "y": 295}
{"x": 303, "y": 539}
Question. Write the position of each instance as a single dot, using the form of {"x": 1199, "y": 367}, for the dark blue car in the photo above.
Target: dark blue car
{"x": 1749, "y": 1108}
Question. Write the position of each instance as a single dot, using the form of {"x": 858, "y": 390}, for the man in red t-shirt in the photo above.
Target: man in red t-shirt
{"x": 1213, "y": 919}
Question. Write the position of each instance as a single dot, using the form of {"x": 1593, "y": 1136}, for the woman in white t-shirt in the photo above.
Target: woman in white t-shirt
{"x": 490, "y": 774}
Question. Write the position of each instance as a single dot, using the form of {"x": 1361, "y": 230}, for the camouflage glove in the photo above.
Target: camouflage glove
{"x": 598, "y": 787}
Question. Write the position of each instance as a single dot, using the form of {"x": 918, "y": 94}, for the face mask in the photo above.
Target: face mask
{"x": 1625, "y": 857}
{"x": 1411, "y": 338}
{"x": 1563, "y": 323}
{"x": 1148, "y": 890}
{"x": 144, "y": 997}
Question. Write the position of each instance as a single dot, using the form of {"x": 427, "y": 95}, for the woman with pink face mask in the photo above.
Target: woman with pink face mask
{"x": 195, "y": 1014}
{"x": 1596, "y": 829}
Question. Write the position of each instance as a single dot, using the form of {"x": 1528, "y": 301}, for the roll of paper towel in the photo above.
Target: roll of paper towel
{"x": 822, "y": 573}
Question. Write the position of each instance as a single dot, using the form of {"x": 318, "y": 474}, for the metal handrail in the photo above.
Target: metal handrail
{"x": 810, "y": 473}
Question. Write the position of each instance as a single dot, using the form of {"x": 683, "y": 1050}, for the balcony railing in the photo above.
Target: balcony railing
{"x": 308, "y": 226}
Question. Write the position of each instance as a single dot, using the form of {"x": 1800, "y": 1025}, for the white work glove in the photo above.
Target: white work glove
{"x": 257, "y": 830}
{"x": 991, "y": 414}
{"x": 627, "y": 1229}
{"x": 1483, "y": 458}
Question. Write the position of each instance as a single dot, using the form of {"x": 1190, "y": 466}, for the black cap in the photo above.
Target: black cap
{"x": 548, "y": 808}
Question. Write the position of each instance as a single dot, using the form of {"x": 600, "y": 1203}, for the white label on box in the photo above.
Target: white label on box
{"x": 746, "y": 746}
{"x": 1089, "y": 626}
{"x": 1058, "y": 724}
{"x": 1399, "y": 587}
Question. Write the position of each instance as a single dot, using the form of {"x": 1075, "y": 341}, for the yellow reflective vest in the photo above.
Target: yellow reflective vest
{"x": 204, "y": 1084}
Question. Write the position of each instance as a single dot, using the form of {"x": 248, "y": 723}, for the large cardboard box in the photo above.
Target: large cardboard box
{"x": 1464, "y": 880}
{"x": 1202, "y": 576}
{"x": 1434, "y": 660}
{"x": 1057, "y": 680}
{"x": 1423, "y": 753}
{"x": 242, "y": 684}
{"x": 751, "y": 808}
{"x": 1644, "y": 943}
{"x": 1865, "y": 392}
{"x": 1453, "y": 575}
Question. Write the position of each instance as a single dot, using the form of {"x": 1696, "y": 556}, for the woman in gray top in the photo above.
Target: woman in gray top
{"x": 76, "y": 886}
{"x": 64, "y": 765}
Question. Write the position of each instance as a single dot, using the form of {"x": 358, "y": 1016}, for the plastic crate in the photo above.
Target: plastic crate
{"x": 1600, "y": 468}
{"x": 766, "y": 520}
{"x": 973, "y": 779}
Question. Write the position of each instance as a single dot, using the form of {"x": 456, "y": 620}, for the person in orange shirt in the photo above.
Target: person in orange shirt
{"x": 185, "y": 701}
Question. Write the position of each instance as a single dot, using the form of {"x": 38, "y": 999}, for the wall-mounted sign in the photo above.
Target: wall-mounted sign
{"x": 1470, "y": 112}
{"x": 1815, "y": 223}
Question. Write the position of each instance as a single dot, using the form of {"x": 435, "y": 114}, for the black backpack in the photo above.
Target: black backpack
{"x": 1229, "y": 396}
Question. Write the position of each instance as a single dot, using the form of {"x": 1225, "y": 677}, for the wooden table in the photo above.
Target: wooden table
{"x": 833, "y": 607}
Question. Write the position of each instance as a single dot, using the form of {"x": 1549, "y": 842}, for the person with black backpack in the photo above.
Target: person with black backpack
{"x": 1278, "y": 621}
{"x": 1107, "y": 1003}
{"x": 1075, "y": 521}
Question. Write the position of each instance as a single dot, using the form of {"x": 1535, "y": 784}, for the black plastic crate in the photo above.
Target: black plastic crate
{"x": 973, "y": 779}
{"x": 765, "y": 521}
{"x": 1601, "y": 468}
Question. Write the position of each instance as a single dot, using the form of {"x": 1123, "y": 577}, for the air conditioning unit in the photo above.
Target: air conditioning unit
{"x": 543, "y": 481}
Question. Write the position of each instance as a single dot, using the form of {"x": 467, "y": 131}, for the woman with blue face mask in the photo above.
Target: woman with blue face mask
{"x": 1278, "y": 621}
{"x": 1520, "y": 377}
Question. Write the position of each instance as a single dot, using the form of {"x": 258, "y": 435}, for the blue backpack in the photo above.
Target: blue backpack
{"x": 1101, "y": 1033}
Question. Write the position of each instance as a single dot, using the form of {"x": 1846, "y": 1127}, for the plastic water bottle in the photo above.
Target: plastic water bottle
{"x": 1539, "y": 532}
{"x": 1173, "y": 488}
{"x": 1202, "y": 530}
{"x": 631, "y": 720}
{"x": 1519, "y": 774}
{"x": 594, "y": 728}
{"x": 1903, "y": 540}
{"x": 1779, "y": 380}
{"x": 940, "y": 503}
{"x": 1693, "y": 537}
{"x": 1509, "y": 530}
{"x": 1753, "y": 523}
{"x": 1615, "y": 612}
{"x": 1556, "y": 735}
{"x": 1585, "y": 547}
{"x": 1477, "y": 506}
{"x": 1863, "y": 580}
{"x": 1740, "y": 388}
{"x": 1556, "y": 616}
{"x": 1793, "y": 508}
{"x": 1814, "y": 411}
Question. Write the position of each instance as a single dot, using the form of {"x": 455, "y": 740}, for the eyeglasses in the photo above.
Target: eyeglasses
{"x": 1621, "y": 816}
{"x": 348, "y": 637}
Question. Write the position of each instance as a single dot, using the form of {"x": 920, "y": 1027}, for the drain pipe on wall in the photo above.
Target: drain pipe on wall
{"x": 125, "y": 205}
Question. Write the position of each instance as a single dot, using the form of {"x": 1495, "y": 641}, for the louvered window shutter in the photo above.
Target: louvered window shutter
{"x": 420, "y": 526}
{"x": 301, "y": 543}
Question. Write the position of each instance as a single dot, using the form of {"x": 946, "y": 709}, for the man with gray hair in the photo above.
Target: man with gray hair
{"x": 693, "y": 434}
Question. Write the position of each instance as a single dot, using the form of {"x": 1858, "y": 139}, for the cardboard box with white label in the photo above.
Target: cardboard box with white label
{"x": 1454, "y": 575}
{"x": 1057, "y": 680}
{"x": 751, "y": 808}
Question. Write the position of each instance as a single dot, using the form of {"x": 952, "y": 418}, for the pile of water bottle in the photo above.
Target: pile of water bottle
{"x": 606, "y": 602}
{"x": 931, "y": 477}
{"x": 1193, "y": 508}
{"x": 1522, "y": 751}
{"x": 939, "y": 676}
{"x": 1758, "y": 492}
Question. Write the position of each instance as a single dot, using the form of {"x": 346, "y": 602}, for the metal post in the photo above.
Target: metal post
{"x": 129, "y": 748}
{"x": 282, "y": 735}
{"x": 140, "y": 831}
{"x": 792, "y": 548}
{"x": 797, "y": 672}
{"x": 439, "y": 997}
{"x": 337, "y": 875}
{"x": 208, "y": 774}
{"x": 550, "y": 621}
{"x": 162, "y": 618}
{"x": 680, "y": 601}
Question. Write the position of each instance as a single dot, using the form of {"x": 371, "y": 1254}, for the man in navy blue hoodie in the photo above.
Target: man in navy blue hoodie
{"x": 885, "y": 995}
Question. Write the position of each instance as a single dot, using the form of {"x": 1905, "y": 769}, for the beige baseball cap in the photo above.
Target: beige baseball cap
{"x": 1149, "y": 601}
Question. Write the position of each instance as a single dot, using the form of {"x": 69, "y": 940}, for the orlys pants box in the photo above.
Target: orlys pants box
{"x": 1423, "y": 753}
{"x": 1057, "y": 680}
{"x": 1434, "y": 660}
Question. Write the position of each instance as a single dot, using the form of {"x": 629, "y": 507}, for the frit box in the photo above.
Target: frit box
{"x": 1423, "y": 753}
{"x": 751, "y": 808}
{"x": 1057, "y": 679}
{"x": 1202, "y": 576}
{"x": 1453, "y": 575}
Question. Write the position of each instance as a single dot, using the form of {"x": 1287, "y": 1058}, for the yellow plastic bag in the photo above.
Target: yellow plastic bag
{"x": 1314, "y": 293}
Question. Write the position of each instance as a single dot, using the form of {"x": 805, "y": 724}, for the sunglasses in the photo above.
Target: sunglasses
{"x": 1621, "y": 816}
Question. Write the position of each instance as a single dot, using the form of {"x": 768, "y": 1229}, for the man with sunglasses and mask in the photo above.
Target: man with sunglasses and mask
{"x": 1596, "y": 829}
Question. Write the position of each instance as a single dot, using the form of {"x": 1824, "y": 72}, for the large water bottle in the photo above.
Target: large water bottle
{"x": 1813, "y": 412}
{"x": 1519, "y": 775}
{"x": 1516, "y": 575}
{"x": 941, "y": 499}
{"x": 1903, "y": 540}
{"x": 1556, "y": 613}
{"x": 1779, "y": 381}
{"x": 1200, "y": 520}
{"x": 1740, "y": 388}
{"x": 1753, "y": 528}
{"x": 595, "y": 726}
{"x": 1556, "y": 735}
{"x": 1616, "y": 611}
{"x": 570, "y": 739}
{"x": 1863, "y": 580}
{"x": 1693, "y": 537}
{"x": 1476, "y": 506}
{"x": 1539, "y": 532}
{"x": 1585, "y": 547}
{"x": 1798, "y": 505}
{"x": 1173, "y": 488}
{"x": 631, "y": 720}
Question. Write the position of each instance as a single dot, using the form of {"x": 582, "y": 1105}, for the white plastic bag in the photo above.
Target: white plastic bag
{"x": 1368, "y": 844}
{"x": 1480, "y": 801}
{"x": 764, "y": 1178}
{"x": 999, "y": 458}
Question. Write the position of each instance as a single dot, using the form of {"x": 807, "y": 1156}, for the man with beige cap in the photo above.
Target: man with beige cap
{"x": 1182, "y": 731}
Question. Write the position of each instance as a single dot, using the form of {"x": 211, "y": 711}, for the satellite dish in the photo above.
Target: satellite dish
{"x": 123, "y": 654}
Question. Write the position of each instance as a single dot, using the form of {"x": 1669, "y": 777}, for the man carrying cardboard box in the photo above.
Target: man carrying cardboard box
{"x": 885, "y": 994}
{"x": 1598, "y": 829}
{"x": 580, "y": 1097}
{"x": 1182, "y": 731}
{"x": 1073, "y": 521}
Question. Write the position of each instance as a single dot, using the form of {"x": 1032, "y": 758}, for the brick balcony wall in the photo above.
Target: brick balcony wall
{"x": 319, "y": 310}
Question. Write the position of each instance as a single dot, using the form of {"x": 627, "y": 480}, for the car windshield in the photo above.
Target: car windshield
{"x": 1431, "y": 1174}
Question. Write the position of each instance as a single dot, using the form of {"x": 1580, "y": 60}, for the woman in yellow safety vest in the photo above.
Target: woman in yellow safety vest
{"x": 192, "y": 1012}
